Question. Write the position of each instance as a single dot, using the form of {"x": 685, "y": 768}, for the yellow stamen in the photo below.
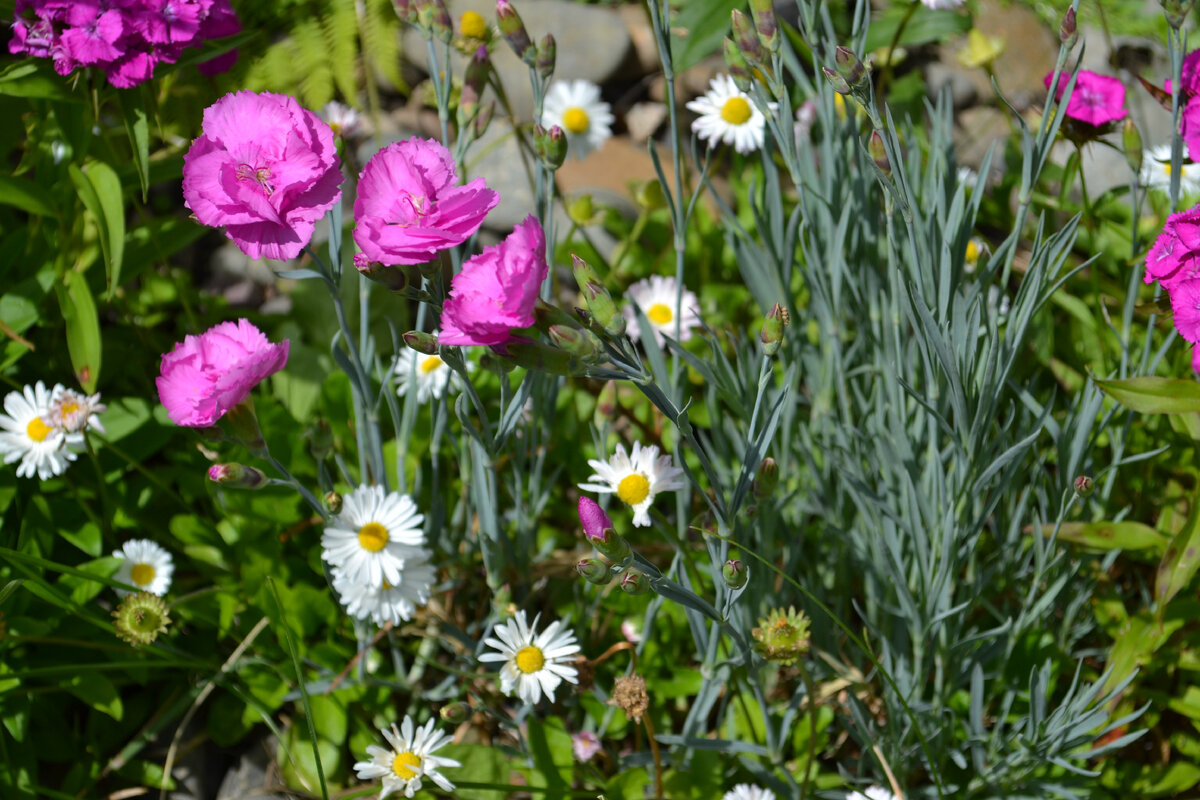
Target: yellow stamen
{"x": 1167, "y": 168}
{"x": 37, "y": 430}
{"x": 659, "y": 314}
{"x": 736, "y": 111}
{"x": 633, "y": 489}
{"x": 575, "y": 120}
{"x": 972, "y": 254}
{"x": 373, "y": 537}
{"x": 472, "y": 25}
{"x": 530, "y": 660}
{"x": 428, "y": 365}
{"x": 142, "y": 574}
{"x": 69, "y": 408}
{"x": 406, "y": 765}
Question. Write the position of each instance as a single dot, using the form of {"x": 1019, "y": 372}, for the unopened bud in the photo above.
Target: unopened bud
{"x": 634, "y": 582}
{"x": 333, "y": 501}
{"x": 513, "y": 31}
{"x": 849, "y": 66}
{"x": 593, "y": 570}
{"x": 763, "y": 12}
{"x": 582, "y": 210}
{"x": 746, "y": 37}
{"x": 406, "y": 10}
{"x": 735, "y": 573}
{"x": 425, "y": 343}
{"x": 579, "y": 343}
{"x": 237, "y": 476}
{"x": 739, "y": 70}
{"x": 1131, "y": 140}
{"x": 1067, "y": 32}
{"x": 484, "y": 118}
{"x": 441, "y": 24}
{"x": 597, "y": 525}
{"x": 836, "y": 81}
{"x": 777, "y": 319}
{"x": 556, "y": 148}
{"x": 649, "y": 196}
{"x": 767, "y": 479}
{"x": 1084, "y": 485}
{"x": 320, "y": 440}
{"x": 878, "y": 151}
{"x": 599, "y": 302}
{"x": 391, "y": 277}
{"x": 547, "y": 52}
{"x": 454, "y": 713}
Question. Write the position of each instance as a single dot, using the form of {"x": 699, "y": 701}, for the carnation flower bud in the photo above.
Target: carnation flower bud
{"x": 746, "y": 37}
{"x": 1131, "y": 140}
{"x": 454, "y": 713}
{"x": 547, "y": 52}
{"x": 594, "y": 571}
{"x": 634, "y": 582}
{"x": 604, "y": 311}
{"x": 763, "y": 12}
{"x": 767, "y": 479}
{"x": 550, "y": 146}
{"x": 484, "y": 118}
{"x": 836, "y": 81}
{"x": 443, "y": 27}
{"x": 782, "y": 636}
{"x": 239, "y": 476}
{"x": 422, "y": 342}
{"x": 139, "y": 618}
{"x": 649, "y": 196}
{"x": 513, "y": 31}
{"x": 391, "y": 277}
{"x": 1084, "y": 485}
{"x": 735, "y": 573}
{"x": 597, "y": 525}
{"x": 333, "y": 501}
{"x": 582, "y": 210}
{"x": 579, "y": 343}
{"x": 849, "y": 66}
{"x": 1067, "y": 32}
{"x": 739, "y": 70}
{"x": 406, "y": 10}
{"x": 878, "y": 151}
{"x": 777, "y": 319}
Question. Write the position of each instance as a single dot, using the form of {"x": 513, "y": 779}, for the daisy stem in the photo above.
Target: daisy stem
{"x": 658, "y": 770}
{"x": 812, "y": 726}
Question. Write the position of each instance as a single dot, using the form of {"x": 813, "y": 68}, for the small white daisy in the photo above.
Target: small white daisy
{"x": 373, "y": 537}
{"x": 940, "y": 5}
{"x": 656, "y": 297}
{"x": 872, "y": 793}
{"x": 343, "y": 120}
{"x": 408, "y": 761}
{"x": 73, "y": 412}
{"x": 533, "y": 663}
{"x": 748, "y": 791}
{"x": 1156, "y": 172}
{"x": 636, "y": 478}
{"x": 430, "y": 374}
{"x": 576, "y": 107}
{"x": 145, "y": 565}
{"x": 727, "y": 114}
{"x": 386, "y": 602}
{"x": 27, "y": 434}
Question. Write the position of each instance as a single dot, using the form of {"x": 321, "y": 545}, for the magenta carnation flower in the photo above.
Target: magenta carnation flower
{"x": 496, "y": 290}
{"x": 1175, "y": 255}
{"x": 410, "y": 206}
{"x": 1097, "y": 99}
{"x": 207, "y": 375}
{"x": 1185, "y": 303}
{"x": 265, "y": 169}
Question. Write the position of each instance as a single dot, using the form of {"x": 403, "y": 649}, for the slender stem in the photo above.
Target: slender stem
{"x": 812, "y": 726}
{"x": 312, "y": 501}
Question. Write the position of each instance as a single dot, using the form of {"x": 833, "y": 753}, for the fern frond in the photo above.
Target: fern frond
{"x": 380, "y": 37}
{"x": 341, "y": 36}
{"x": 312, "y": 63}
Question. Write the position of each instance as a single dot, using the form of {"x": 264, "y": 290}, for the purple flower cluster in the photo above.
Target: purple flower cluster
{"x": 125, "y": 38}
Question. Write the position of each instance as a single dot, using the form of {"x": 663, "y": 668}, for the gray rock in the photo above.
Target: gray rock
{"x": 941, "y": 76}
{"x": 255, "y": 776}
{"x": 592, "y": 44}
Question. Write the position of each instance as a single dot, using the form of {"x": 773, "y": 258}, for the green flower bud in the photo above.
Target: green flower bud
{"x": 777, "y": 319}
{"x": 392, "y": 277}
{"x": 535, "y": 355}
{"x": 763, "y": 12}
{"x": 878, "y": 151}
{"x": 513, "y": 31}
{"x": 836, "y": 81}
{"x": 441, "y": 24}
{"x": 849, "y": 66}
{"x": 243, "y": 424}
{"x": 739, "y": 70}
{"x": 422, "y": 342}
{"x": 594, "y": 571}
{"x": 746, "y": 37}
{"x": 767, "y": 479}
{"x": 1084, "y": 485}
{"x": 454, "y": 713}
{"x": 634, "y": 582}
{"x": 333, "y": 501}
{"x": 735, "y": 574}
{"x": 556, "y": 148}
{"x": 547, "y": 52}
{"x": 649, "y": 196}
{"x": 1067, "y": 32}
{"x": 580, "y": 343}
{"x": 1131, "y": 139}
{"x": 582, "y": 210}
{"x": 238, "y": 476}
{"x": 484, "y": 118}
{"x": 406, "y": 10}
{"x": 140, "y": 618}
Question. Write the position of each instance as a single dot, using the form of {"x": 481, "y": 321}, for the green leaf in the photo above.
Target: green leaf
{"x": 1180, "y": 561}
{"x": 924, "y": 26}
{"x": 99, "y": 189}
{"x": 27, "y": 196}
{"x": 35, "y": 78}
{"x": 1109, "y": 535}
{"x": 97, "y": 691}
{"x": 697, "y": 30}
{"x": 133, "y": 109}
{"x": 486, "y": 765}
{"x": 83, "y": 328}
{"x": 1155, "y": 395}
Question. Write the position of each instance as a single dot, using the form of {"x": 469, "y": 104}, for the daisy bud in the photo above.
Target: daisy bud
{"x": 634, "y": 582}
{"x": 1084, "y": 485}
{"x": 782, "y": 636}
{"x": 777, "y": 319}
{"x": 454, "y": 713}
{"x": 1131, "y": 139}
{"x": 547, "y": 52}
{"x": 594, "y": 571}
{"x": 513, "y": 31}
{"x": 878, "y": 153}
{"x": 849, "y": 66}
{"x": 735, "y": 573}
{"x": 140, "y": 618}
{"x": 391, "y": 277}
{"x": 739, "y": 70}
{"x": 472, "y": 25}
{"x": 333, "y": 501}
{"x": 763, "y": 12}
{"x": 238, "y": 476}
{"x": 579, "y": 343}
{"x": 836, "y": 81}
{"x": 422, "y": 342}
{"x": 767, "y": 479}
{"x": 746, "y": 37}
{"x": 320, "y": 440}
{"x": 649, "y": 196}
{"x": 1067, "y": 32}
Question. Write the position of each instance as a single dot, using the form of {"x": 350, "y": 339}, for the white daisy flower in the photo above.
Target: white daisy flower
{"x": 27, "y": 434}
{"x": 408, "y": 761}
{"x": 872, "y": 793}
{"x": 73, "y": 412}
{"x": 533, "y": 663}
{"x": 576, "y": 107}
{"x": 343, "y": 120}
{"x": 1156, "y": 172}
{"x": 145, "y": 565}
{"x": 940, "y": 5}
{"x": 374, "y": 536}
{"x": 386, "y": 602}
{"x": 636, "y": 478}
{"x": 748, "y": 791}
{"x": 727, "y": 114}
{"x": 656, "y": 297}
{"x": 430, "y": 374}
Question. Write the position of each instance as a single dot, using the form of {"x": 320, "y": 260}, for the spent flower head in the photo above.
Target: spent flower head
{"x": 139, "y": 618}
{"x": 782, "y": 636}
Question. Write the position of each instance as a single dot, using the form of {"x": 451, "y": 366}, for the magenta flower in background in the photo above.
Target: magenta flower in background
{"x": 585, "y": 745}
{"x": 265, "y": 169}
{"x": 1097, "y": 99}
{"x": 1185, "y": 303}
{"x": 496, "y": 290}
{"x": 410, "y": 206}
{"x": 207, "y": 375}
{"x": 1173, "y": 258}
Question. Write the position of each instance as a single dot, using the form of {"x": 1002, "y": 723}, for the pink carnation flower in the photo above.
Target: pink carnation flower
{"x": 1096, "y": 100}
{"x": 410, "y": 206}
{"x": 1189, "y": 127}
{"x": 496, "y": 290}
{"x": 265, "y": 169}
{"x": 1173, "y": 258}
{"x": 1190, "y": 74}
{"x": 207, "y": 375}
{"x": 1185, "y": 303}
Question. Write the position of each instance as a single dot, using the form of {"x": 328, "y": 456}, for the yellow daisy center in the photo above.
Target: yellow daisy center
{"x": 530, "y": 659}
{"x": 972, "y": 253}
{"x": 633, "y": 489}
{"x": 37, "y": 430}
{"x": 428, "y": 365}
{"x": 575, "y": 120}
{"x": 142, "y": 574}
{"x": 736, "y": 111}
{"x": 70, "y": 407}
{"x": 406, "y": 765}
{"x": 472, "y": 25}
{"x": 1167, "y": 167}
{"x": 373, "y": 537}
{"x": 659, "y": 314}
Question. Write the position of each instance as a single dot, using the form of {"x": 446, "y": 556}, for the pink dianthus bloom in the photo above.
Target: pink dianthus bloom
{"x": 1175, "y": 255}
{"x": 207, "y": 375}
{"x": 410, "y": 206}
{"x": 1190, "y": 74}
{"x": 1097, "y": 99}
{"x": 497, "y": 289}
{"x": 1185, "y": 303}
{"x": 1189, "y": 127}
{"x": 265, "y": 169}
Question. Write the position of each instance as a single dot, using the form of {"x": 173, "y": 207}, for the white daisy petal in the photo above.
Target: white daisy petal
{"x": 28, "y": 434}
{"x": 655, "y": 296}
{"x": 748, "y": 791}
{"x": 576, "y": 107}
{"x": 637, "y": 478}
{"x": 1156, "y": 172}
{"x": 408, "y": 761}
{"x": 728, "y": 115}
{"x": 145, "y": 565}
{"x": 533, "y": 664}
{"x": 373, "y": 537}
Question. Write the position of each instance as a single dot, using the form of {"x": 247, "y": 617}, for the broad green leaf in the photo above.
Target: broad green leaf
{"x": 99, "y": 189}
{"x": 97, "y": 691}
{"x": 697, "y": 30}
{"x": 1110, "y": 535}
{"x": 35, "y": 78}
{"x": 923, "y": 26}
{"x": 485, "y": 765}
{"x": 133, "y": 108}
{"x": 1152, "y": 395}
{"x": 1180, "y": 561}
{"x": 83, "y": 328}
{"x": 27, "y": 196}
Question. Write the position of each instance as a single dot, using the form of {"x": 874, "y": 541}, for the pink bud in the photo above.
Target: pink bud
{"x": 595, "y": 521}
